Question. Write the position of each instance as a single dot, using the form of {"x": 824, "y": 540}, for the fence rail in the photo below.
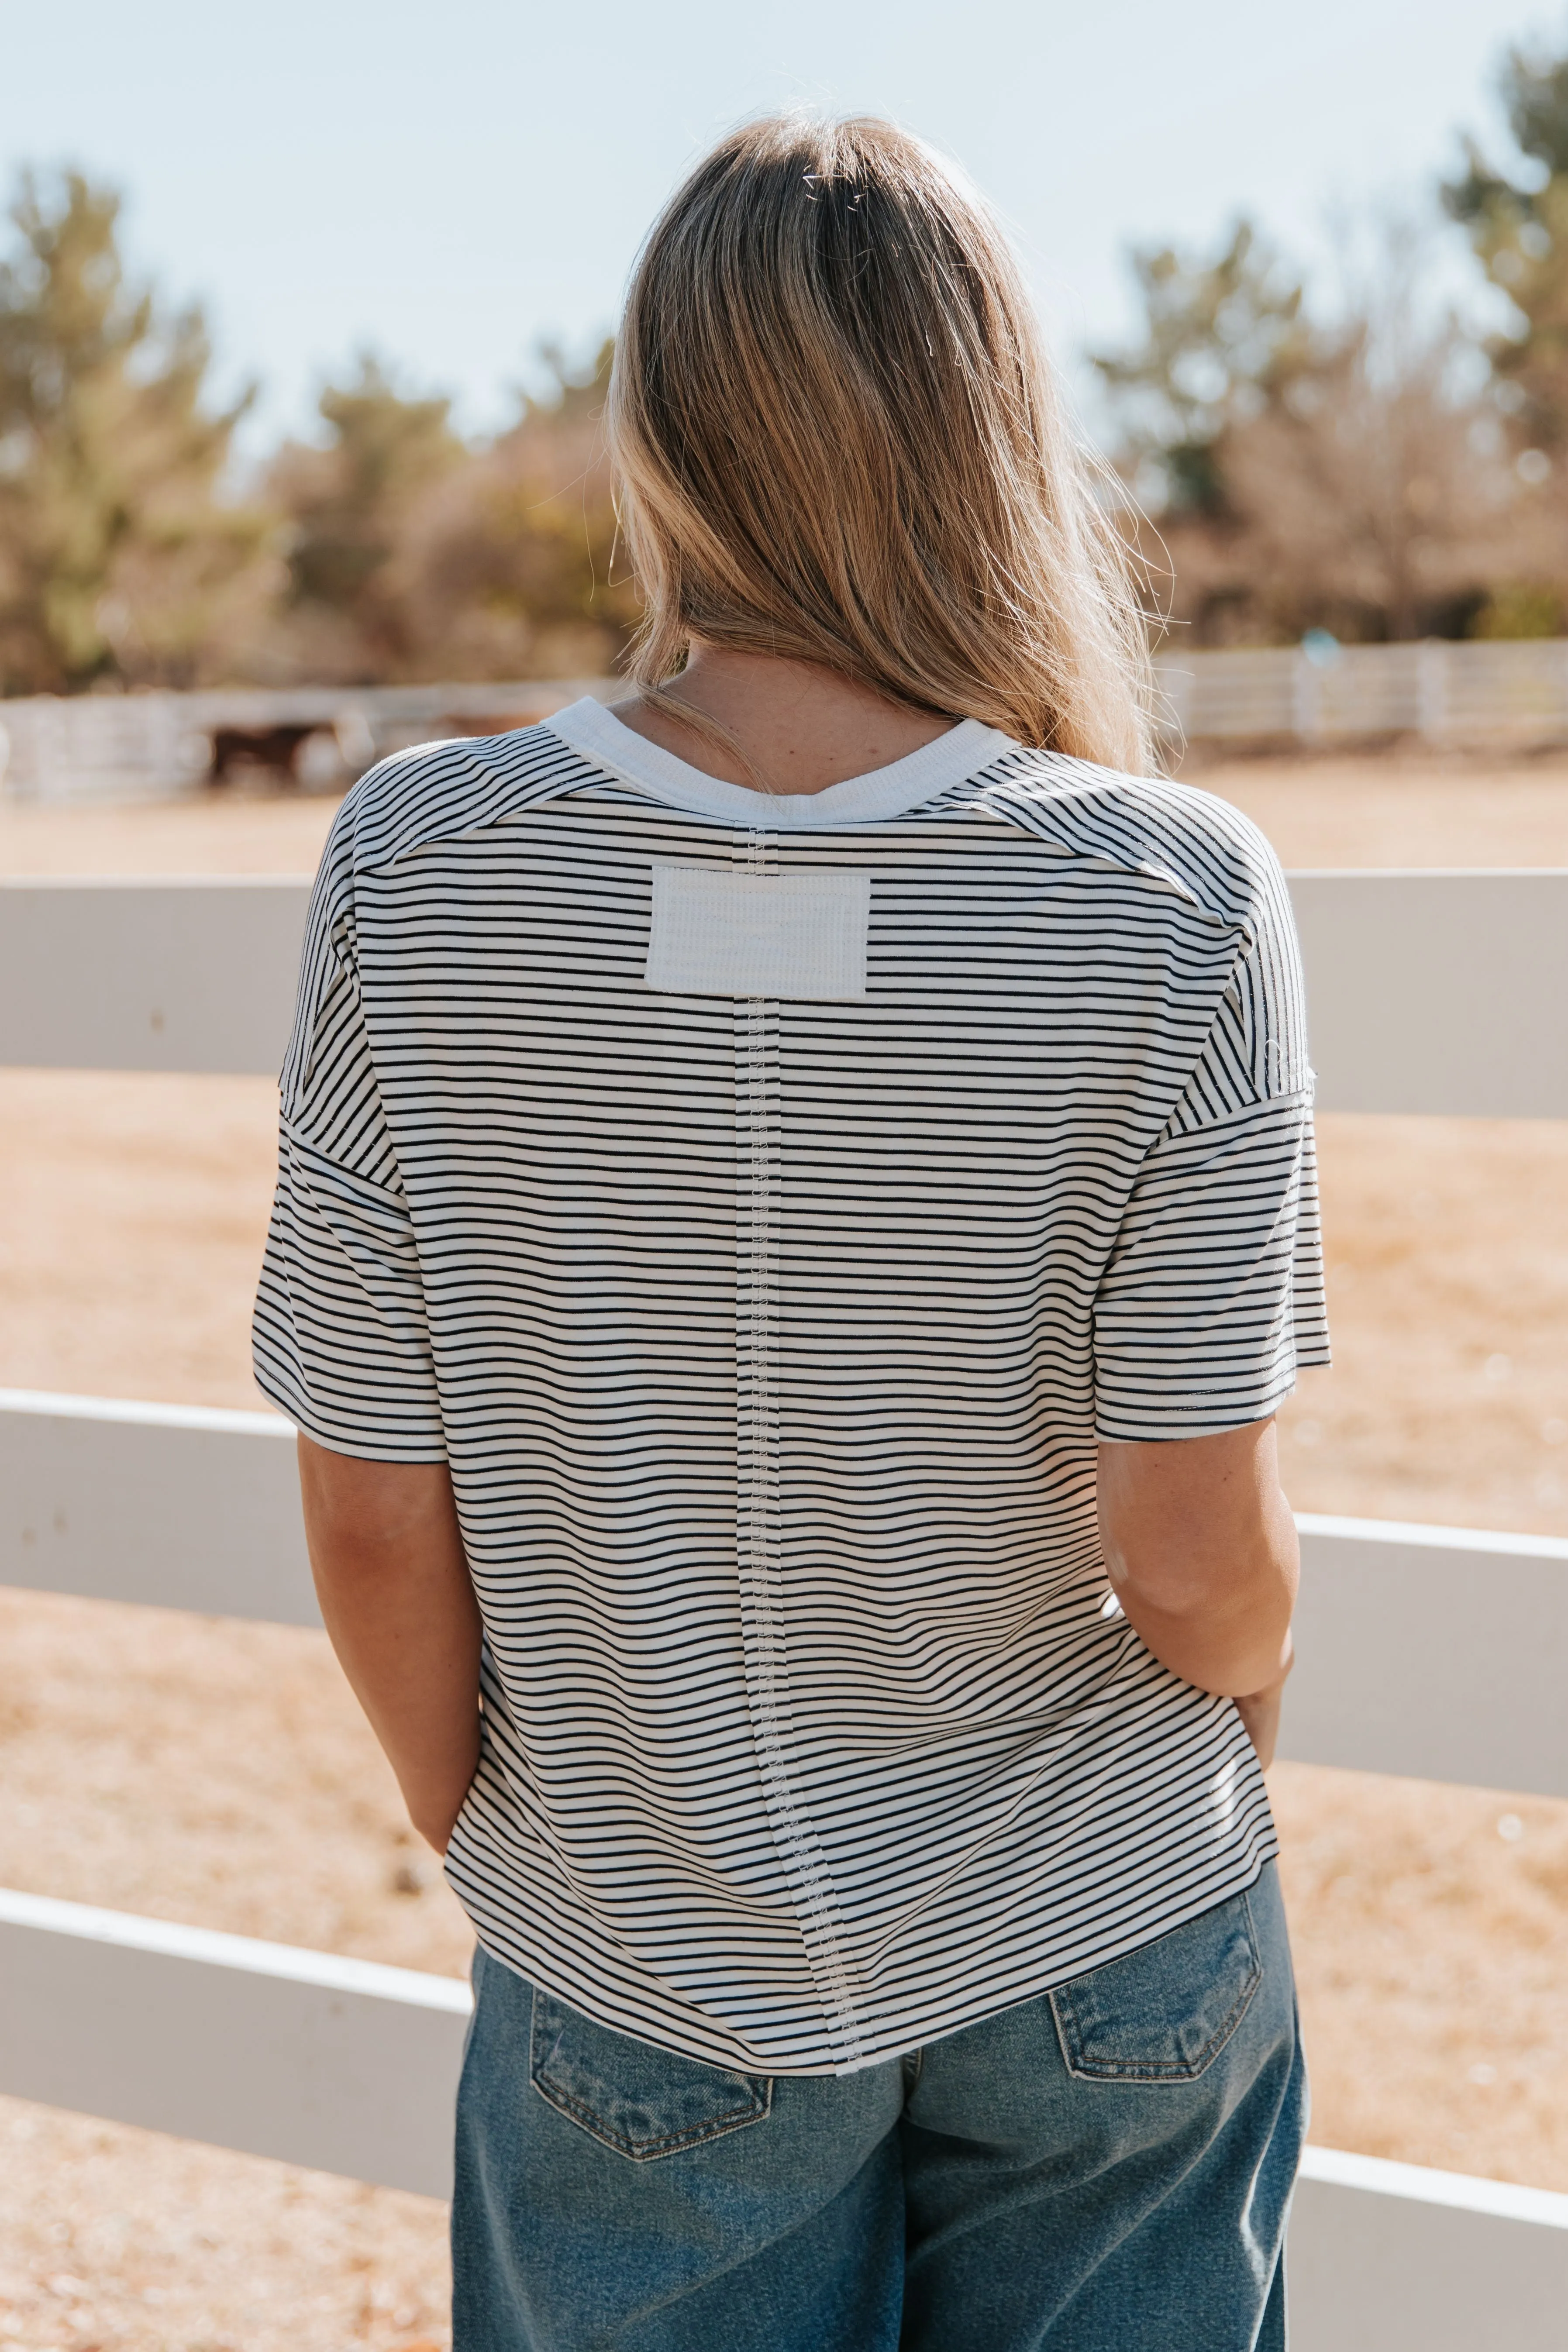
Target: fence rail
{"x": 340, "y": 2065}
{"x": 1438, "y": 1651}
{"x": 1440, "y": 692}
{"x": 350, "y": 2067}
{"x": 1429, "y": 992}
{"x": 132, "y": 746}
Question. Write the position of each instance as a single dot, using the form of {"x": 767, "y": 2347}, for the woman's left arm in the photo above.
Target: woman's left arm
{"x": 1202, "y": 1552}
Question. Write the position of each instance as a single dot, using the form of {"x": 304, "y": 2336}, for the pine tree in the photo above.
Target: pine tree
{"x": 120, "y": 561}
{"x": 415, "y": 554}
{"x": 1307, "y": 471}
{"x": 512, "y": 566}
{"x": 1220, "y": 339}
{"x": 1518, "y": 225}
{"x": 349, "y": 504}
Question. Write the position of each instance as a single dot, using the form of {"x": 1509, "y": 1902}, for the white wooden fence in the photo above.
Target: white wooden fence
{"x": 1440, "y": 1653}
{"x": 1429, "y": 1651}
{"x": 1430, "y": 991}
{"x": 94, "y": 748}
{"x": 132, "y": 746}
{"x": 1442, "y": 693}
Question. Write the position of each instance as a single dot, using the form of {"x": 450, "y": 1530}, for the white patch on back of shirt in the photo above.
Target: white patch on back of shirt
{"x": 728, "y": 933}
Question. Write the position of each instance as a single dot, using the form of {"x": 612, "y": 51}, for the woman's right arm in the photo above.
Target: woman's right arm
{"x": 1202, "y": 1553}
{"x": 399, "y": 1606}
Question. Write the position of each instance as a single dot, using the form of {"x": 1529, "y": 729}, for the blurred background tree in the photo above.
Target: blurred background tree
{"x": 416, "y": 555}
{"x": 1375, "y": 469}
{"x": 1518, "y": 225}
{"x": 347, "y": 505}
{"x": 1358, "y": 461}
{"x": 1221, "y": 339}
{"x": 120, "y": 561}
{"x": 1342, "y": 473}
{"x": 393, "y": 548}
{"x": 511, "y": 566}
{"x": 1376, "y": 505}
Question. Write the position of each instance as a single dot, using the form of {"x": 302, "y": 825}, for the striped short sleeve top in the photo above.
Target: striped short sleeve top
{"x": 763, "y": 1205}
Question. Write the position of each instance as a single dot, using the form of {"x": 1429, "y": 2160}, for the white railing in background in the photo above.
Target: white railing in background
{"x": 1429, "y": 992}
{"x": 1485, "y": 694}
{"x": 1441, "y": 1653}
{"x": 88, "y": 748}
{"x": 1439, "y": 692}
{"x": 350, "y": 2067}
{"x": 342, "y": 2066}
{"x": 92, "y": 748}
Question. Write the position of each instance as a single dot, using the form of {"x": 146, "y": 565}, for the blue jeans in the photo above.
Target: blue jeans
{"x": 1104, "y": 2169}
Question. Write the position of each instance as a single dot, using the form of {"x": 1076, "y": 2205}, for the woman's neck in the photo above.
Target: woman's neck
{"x": 800, "y": 727}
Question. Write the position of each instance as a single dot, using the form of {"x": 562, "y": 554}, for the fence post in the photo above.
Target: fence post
{"x": 1431, "y": 690}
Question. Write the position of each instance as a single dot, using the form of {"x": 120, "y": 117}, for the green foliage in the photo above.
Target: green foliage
{"x": 1337, "y": 471}
{"x": 521, "y": 550}
{"x": 413, "y": 554}
{"x": 119, "y": 561}
{"x": 1520, "y": 608}
{"x": 1221, "y": 336}
{"x": 1308, "y": 472}
{"x": 392, "y": 549}
{"x": 1517, "y": 225}
{"x": 348, "y": 506}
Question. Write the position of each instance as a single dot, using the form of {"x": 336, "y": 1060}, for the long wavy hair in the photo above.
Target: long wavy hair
{"x": 837, "y": 438}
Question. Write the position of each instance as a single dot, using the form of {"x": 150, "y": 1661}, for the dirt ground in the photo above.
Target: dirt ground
{"x": 1399, "y": 807}
{"x": 220, "y": 1773}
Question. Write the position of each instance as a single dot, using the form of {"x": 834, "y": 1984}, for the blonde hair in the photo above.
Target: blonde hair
{"x": 838, "y": 438}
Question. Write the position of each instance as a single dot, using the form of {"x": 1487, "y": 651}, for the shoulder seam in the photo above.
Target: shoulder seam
{"x": 1134, "y": 824}
{"x": 488, "y": 790}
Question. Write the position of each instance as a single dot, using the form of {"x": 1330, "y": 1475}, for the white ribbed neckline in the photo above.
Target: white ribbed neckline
{"x": 598, "y": 735}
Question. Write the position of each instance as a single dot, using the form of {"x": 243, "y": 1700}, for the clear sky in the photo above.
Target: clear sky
{"x": 452, "y": 181}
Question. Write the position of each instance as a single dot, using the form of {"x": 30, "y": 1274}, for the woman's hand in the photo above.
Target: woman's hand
{"x": 1259, "y": 1711}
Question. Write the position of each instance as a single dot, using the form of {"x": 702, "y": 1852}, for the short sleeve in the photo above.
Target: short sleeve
{"x": 339, "y": 1337}
{"x": 1212, "y": 1298}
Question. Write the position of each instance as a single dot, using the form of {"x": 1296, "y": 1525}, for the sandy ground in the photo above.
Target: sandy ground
{"x": 220, "y": 1773}
{"x": 1400, "y": 808}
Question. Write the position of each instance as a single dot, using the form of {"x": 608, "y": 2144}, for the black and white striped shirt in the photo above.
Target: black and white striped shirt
{"x": 762, "y": 1205}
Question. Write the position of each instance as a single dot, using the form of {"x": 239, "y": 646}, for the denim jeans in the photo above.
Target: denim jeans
{"x": 1104, "y": 2169}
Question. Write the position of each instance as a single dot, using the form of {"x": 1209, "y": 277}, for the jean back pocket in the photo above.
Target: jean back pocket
{"x": 1164, "y": 2013}
{"x": 639, "y": 2101}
